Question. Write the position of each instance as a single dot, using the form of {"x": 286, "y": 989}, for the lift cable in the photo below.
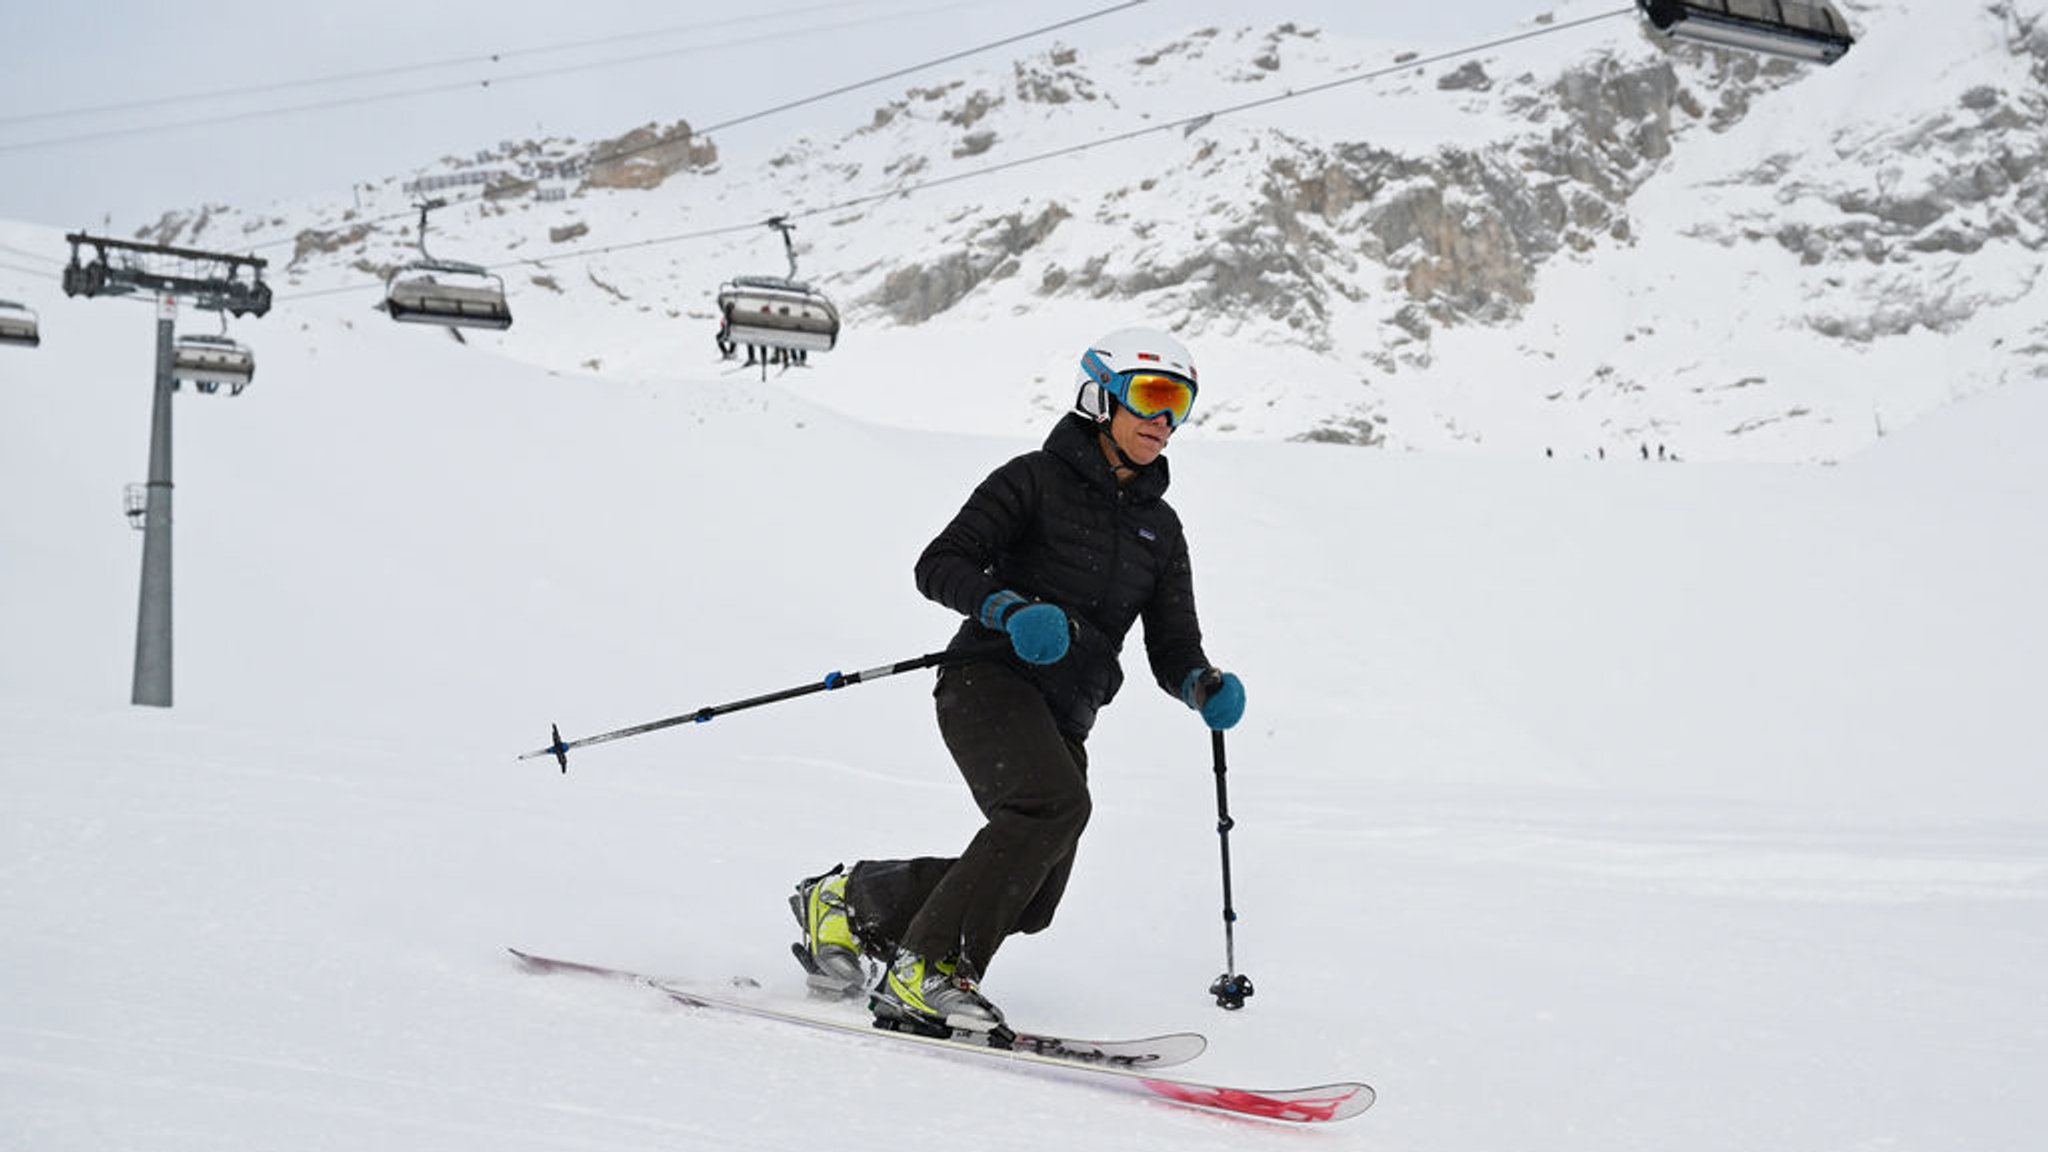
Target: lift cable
{"x": 408, "y": 93}
{"x": 902, "y": 72}
{"x": 1190, "y": 122}
{"x": 1056, "y": 153}
{"x": 25, "y": 253}
{"x": 403, "y": 69}
{"x": 951, "y": 57}
{"x": 37, "y": 272}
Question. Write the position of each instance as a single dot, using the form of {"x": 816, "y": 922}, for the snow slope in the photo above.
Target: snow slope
{"x": 1591, "y": 802}
{"x": 1589, "y": 805}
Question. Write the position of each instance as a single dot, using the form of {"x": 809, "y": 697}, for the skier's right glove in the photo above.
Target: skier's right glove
{"x": 1216, "y": 694}
{"x": 1038, "y": 632}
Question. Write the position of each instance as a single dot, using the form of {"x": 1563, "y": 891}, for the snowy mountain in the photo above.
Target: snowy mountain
{"x": 1581, "y": 242}
{"x": 1579, "y": 805}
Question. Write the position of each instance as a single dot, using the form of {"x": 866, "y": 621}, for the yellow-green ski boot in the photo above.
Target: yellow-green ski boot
{"x": 936, "y": 998}
{"x": 829, "y": 951}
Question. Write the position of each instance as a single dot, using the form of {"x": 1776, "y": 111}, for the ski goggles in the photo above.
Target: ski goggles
{"x": 1145, "y": 392}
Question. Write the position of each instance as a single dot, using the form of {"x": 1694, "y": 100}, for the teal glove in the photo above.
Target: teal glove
{"x": 1216, "y": 694}
{"x": 1038, "y": 632}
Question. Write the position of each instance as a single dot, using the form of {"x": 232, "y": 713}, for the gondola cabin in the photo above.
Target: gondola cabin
{"x": 1808, "y": 30}
{"x": 207, "y": 362}
{"x": 18, "y": 325}
{"x": 448, "y": 294}
{"x": 773, "y": 312}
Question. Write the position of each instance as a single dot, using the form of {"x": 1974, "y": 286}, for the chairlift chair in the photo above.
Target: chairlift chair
{"x": 18, "y": 325}
{"x": 777, "y": 312}
{"x": 1808, "y": 30}
{"x": 447, "y": 293}
{"x": 773, "y": 312}
{"x": 207, "y": 362}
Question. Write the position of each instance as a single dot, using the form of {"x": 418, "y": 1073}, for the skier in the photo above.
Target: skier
{"x": 1057, "y": 552}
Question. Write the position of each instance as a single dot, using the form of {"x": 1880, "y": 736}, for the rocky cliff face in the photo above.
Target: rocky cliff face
{"x": 914, "y": 292}
{"x": 1457, "y": 235}
{"x": 646, "y": 156}
{"x": 1640, "y": 237}
{"x": 1943, "y": 186}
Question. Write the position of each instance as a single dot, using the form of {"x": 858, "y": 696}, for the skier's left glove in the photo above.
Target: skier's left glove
{"x": 1216, "y": 694}
{"x": 1038, "y": 632}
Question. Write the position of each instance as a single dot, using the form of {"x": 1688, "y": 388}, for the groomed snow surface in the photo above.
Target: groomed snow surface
{"x": 1581, "y": 805}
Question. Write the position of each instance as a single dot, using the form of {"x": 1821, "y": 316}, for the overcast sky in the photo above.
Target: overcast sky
{"x": 589, "y": 70}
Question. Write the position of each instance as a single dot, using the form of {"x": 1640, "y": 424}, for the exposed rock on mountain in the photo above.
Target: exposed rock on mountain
{"x": 646, "y": 156}
{"x": 1597, "y": 237}
{"x": 914, "y": 293}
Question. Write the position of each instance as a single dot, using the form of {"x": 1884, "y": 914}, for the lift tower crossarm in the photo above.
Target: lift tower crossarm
{"x": 212, "y": 281}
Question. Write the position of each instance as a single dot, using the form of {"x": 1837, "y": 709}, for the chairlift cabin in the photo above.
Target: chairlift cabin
{"x": 778, "y": 315}
{"x": 207, "y": 362}
{"x": 18, "y": 325}
{"x": 774, "y": 312}
{"x": 1808, "y": 30}
{"x": 447, "y": 293}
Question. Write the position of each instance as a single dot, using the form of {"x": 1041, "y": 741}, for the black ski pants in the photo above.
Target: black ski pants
{"x": 1030, "y": 781}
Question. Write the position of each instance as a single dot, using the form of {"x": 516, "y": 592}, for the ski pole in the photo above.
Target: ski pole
{"x": 1231, "y": 988}
{"x": 560, "y": 748}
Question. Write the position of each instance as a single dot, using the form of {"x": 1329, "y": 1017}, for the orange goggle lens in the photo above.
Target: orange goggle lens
{"x": 1147, "y": 394}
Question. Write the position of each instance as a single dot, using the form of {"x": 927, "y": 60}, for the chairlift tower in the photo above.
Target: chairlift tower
{"x": 212, "y": 282}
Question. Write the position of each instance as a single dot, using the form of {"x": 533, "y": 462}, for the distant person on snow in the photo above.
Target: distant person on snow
{"x": 1051, "y": 560}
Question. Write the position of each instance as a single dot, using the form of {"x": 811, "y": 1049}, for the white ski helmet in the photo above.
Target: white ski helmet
{"x": 1108, "y": 364}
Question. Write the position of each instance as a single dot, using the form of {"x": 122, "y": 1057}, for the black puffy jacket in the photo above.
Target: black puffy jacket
{"x": 1055, "y": 526}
